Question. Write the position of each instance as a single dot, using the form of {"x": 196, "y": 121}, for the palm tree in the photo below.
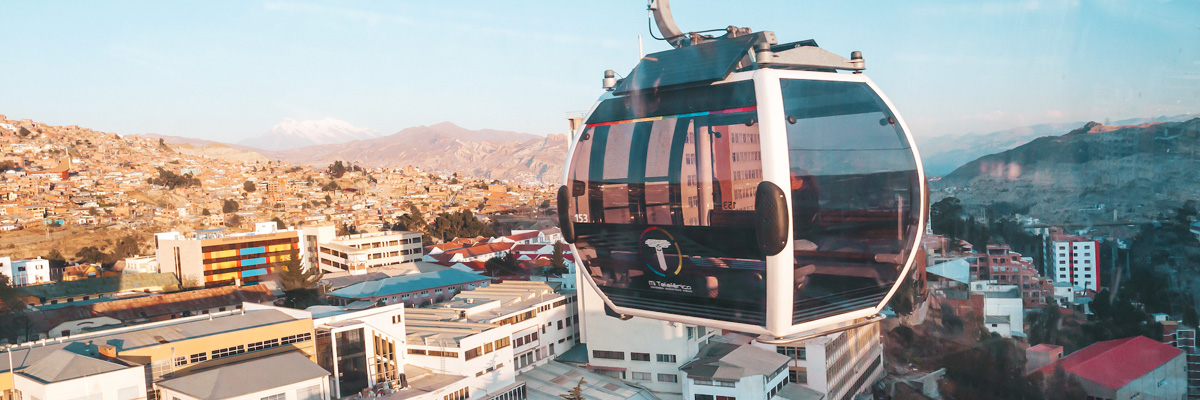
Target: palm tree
{"x": 301, "y": 286}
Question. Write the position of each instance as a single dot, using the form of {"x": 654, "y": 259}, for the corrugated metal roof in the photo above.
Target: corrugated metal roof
{"x": 1116, "y": 363}
{"x": 108, "y": 284}
{"x": 407, "y": 283}
{"x": 733, "y": 362}
{"x": 62, "y": 365}
{"x": 247, "y": 377}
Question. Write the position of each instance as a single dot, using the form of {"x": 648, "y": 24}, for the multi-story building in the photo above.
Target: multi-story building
{"x": 1007, "y": 267}
{"x": 1003, "y": 308}
{"x": 839, "y": 365}
{"x": 26, "y": 272}
{"x": 213, "y": 258}
{"x": 1184, "y": 338}
{"x": 180, "y": 347}
{"x": 725, "y": 371}
{"x": 358, "y": 253}
{"x": 651, "y": 361}
{"x": 1075, "y": 260}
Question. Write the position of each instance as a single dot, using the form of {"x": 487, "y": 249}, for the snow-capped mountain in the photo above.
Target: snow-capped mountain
{"x": 290, "y": 133}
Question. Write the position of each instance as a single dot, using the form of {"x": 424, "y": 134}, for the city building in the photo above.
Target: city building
{"x": 728, "y": 371}
{"x": 287, "y": 376}
{"x": 1003, "y": 308}
{"x": 413, "y": 290}
{"x": 1041, "y": 355}
{"x": 137, "y": 265}
{"x": 361, "y": 252}
{"x": 211, "y": 258}
{"x": 1184, "y": 338}
{"x": 839, "y": 365}
{"x": 25, "y": 272}
{"x": 180, "y": 347}
{"x": 1129, "y": 368}
{"x": 1076, "y": 260}
{"x": 81, "y": 373}
{"x": 1007, "y": 267}
{"x": 97, "y": 288}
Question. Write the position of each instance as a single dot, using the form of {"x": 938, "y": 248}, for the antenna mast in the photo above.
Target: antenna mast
{"x": 661, "y": 11}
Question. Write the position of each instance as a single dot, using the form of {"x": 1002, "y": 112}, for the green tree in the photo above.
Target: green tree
{"x": 249, "y": 187}
{"x": 575, "y": 393}
{"x": 205, "y": 212}
{"x": 90, "y": 254}
{"x": 503, "y": 265}
{"x": 230, "y": 206}
{"x": 337, "y": 169}
{"x": 172, "y": 180}
{"x": 233, "y": 221}
{"x": 301, "y": 286}
{"x": 279, "y": 223}
{"x": 329, "y": 187}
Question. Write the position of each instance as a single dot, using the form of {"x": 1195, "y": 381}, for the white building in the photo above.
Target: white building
{"x": 642, "y": 351}
{"x": 25, "y": 272}
{"x": 1003, "y": 309}
{"x": 727, "y": 371}
{"x": 1076, "y": 261}
{"x": 65, "y": 374}
{"x": 288, "y": 376}
{"x": 360, "y": 252}
{"x": 837, "y": 365}
{"x": 137, "y": 265}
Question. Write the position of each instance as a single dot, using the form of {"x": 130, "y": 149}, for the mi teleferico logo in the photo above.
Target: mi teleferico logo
{"x": 654, "y": 245}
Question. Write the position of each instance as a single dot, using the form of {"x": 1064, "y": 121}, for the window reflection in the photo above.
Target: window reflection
{"x": 854, "y": 196}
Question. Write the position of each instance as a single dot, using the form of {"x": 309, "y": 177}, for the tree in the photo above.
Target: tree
{"x": 575, "y": 393}
{"x": 279, "y": 223}
{"x": 205, "y": 212}
{"x": 249, "y": 187}
{"x": 558, "y": 263}
{"x": 10, "y": 298}
{"x": 90, "y": 254}
{"x": 337, "y": 169}
{"x": 301, "y": 286}
{"x": 504, "y": 265}
{"x": 346, "y": 229}
{"x": 230, "y": 206}
{"x": 56, "y": 259}
{"x": 329, "y": 187}
{"x": 172, "y": 180}
{"x": 233, "y": 221}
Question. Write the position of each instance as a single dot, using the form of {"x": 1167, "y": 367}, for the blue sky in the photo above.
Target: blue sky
{"x": 230, "y": 70}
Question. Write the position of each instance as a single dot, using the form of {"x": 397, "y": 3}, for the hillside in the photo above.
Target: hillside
{"x": 447, "y": 147}
{"x": 941, "y": 155}
{"x": 1096, "y": 173}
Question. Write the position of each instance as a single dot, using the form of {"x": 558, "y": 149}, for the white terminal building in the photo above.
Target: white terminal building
{"x": 360, "y": 252}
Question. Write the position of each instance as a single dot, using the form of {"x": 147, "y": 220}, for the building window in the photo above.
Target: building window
{"x": 666, "y": 358}
{"x": 294, "y": 339}
{"x": 281, "y": 396}
{"x": 228, "y": 352}
{"x": 641, "y": 376}
{"x": 798, "y": 353}
{"x": 639, "y": 356}
{"x": 704, "y": 397}
{"x": 726, "y": 398}
{"x": 198, "y": 357}
{"x": 671, "y": 378}
{"x": 609, "y": 355}
{"x": 181, "y": 361}
{"x": 713, "y": 382}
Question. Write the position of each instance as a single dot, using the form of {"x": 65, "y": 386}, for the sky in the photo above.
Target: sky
{"x": 230, "y": 70}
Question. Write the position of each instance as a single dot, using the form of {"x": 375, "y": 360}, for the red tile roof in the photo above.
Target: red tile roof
{"x": 1115, "y": 363}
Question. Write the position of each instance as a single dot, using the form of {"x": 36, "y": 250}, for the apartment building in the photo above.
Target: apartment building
{"x": 1183, "y": 337}
{"x": 1006, "y": 267}
{"x": 358, "y": 253}
{"x": 26, "y": 272}
{"x": 211, "y": 258}
{"x": 1075, "y": 260}
{"x": 1003, "y": 308}
{"x": 179, "y": 347}
{"x": 839, "y": 365}
{"x": 363, "y": 349}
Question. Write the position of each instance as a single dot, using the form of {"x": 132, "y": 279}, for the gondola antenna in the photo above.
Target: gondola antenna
{"x": 660, "y": 10}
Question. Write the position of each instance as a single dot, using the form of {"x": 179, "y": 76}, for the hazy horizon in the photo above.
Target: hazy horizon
{"x": 231, "y": 71}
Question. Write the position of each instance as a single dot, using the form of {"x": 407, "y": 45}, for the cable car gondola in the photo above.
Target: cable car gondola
{"x": 742, "y": 184}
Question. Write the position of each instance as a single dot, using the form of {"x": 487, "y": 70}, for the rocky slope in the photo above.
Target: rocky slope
{"x": 1096, "y": 173}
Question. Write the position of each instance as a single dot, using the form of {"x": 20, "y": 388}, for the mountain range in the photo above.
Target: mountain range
{"x": 1095, "y": 173}
{"x": 290, "y": 133}
{"x": 942, "y": 154}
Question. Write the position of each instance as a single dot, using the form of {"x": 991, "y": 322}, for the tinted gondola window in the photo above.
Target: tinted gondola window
{"x": 662, "y": 196}
{"x": 855, "y": 196}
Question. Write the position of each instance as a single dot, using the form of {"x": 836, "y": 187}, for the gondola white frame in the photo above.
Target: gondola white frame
{"x": 776, "y": 169}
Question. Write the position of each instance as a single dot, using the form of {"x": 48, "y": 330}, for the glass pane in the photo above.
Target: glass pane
{"x": 855, "y": 194}
{"x": 671, "y": 227}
